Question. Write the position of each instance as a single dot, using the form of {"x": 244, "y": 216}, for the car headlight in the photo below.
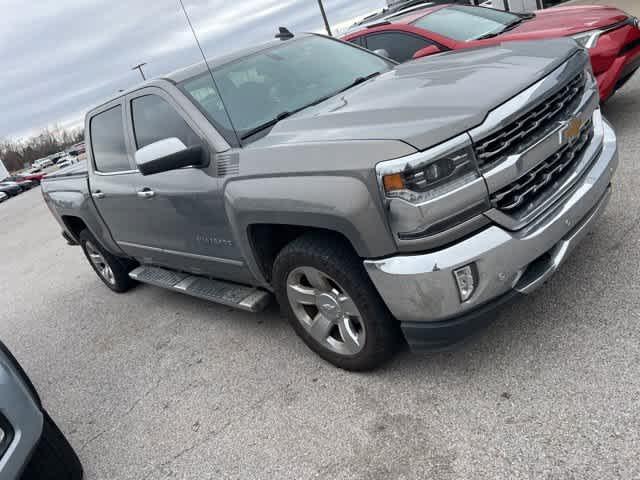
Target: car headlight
{"x": 589, "y": 39}
{"x": 430, "y": 192}
{"x": 423, "y": 176}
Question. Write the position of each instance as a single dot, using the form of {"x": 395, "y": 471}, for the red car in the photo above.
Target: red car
{"x": 34, "y": 177}
{"x": 611, "y": 36}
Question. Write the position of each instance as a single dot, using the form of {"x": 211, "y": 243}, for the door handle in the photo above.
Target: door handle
{"x": 145, "y": 193}
{"x": 97, "y": 194}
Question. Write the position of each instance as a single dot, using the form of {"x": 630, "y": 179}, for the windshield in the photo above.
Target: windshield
{"x": 261, "y": 87}
{"x": 466, "y": 23}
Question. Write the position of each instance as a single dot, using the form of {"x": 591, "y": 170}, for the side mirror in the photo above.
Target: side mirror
{"x": 382, "y": 52}
{"x": 426, "y": 51}
{"x": 168, "y": 154}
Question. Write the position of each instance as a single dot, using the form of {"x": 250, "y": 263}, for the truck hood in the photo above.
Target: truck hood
{"x": 562, "y": 21}
{"x": 426, "y": 101}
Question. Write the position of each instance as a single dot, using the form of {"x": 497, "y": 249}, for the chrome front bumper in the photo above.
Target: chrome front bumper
{"x": 422, "y": 288}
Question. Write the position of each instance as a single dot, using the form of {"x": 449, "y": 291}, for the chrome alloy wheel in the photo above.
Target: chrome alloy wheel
{"x": 326, "y": 311}
{"x": 100, "y": 263}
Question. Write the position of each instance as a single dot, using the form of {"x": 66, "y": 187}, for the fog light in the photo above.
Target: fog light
{"x": 466, "y": 281}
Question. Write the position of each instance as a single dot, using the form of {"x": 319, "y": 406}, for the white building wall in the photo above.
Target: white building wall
{"x": 4, "y": 173}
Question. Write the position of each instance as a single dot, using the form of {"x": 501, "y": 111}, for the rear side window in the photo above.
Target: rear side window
{"x": 358, "y": 41}
{"x": 155, "y": 119}
{"x": 400, "y": 46}
{"x": 107, "y": 140}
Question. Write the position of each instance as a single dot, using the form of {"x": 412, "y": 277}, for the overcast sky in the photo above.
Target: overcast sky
{"x": 61, "y": 57}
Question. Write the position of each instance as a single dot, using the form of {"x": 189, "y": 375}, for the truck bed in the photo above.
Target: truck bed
{"x": 77, "y": 170}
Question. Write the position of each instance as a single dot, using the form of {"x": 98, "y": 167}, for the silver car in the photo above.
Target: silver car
{"x": 31, "y": 444}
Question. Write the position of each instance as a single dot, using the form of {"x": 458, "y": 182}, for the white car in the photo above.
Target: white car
{"x": 3, "y": 197}
{"x": 65, "y": 163}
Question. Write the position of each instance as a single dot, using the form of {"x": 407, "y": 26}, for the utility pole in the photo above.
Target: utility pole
{"x": 324, "y": 17}
{"x": 139, "y": 68}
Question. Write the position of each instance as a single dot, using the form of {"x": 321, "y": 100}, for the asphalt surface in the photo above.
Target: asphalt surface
{"x": 156, "y": 385}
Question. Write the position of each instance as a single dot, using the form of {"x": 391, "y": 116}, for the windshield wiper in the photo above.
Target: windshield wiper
{"x": 270, "y": 123}
{"x": 508, "y": 26}
{"x": 283, "y": 115}
{"x": 357, "y": 81}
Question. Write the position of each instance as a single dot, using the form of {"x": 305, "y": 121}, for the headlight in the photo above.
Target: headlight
{"x": 427, "y": 175}
{"x": 588, "y": 39}
{"x": 431, "y": 192}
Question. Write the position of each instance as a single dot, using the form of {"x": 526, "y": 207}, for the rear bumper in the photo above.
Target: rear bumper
{"x": 421, "y": 292}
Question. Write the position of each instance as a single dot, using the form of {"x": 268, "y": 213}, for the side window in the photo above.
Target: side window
{"x": 401, "y": 46}
{"x": 107, "y": 140}
{"x": 358, "y": 41}
{"x": 155, "y": 119}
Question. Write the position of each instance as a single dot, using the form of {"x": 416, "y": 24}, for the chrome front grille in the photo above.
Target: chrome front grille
{"x": 524, "y": 131}
{"x": 529, "y": 190}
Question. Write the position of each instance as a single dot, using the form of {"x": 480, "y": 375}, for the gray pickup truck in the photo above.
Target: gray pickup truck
{"x": 376, "y": 201}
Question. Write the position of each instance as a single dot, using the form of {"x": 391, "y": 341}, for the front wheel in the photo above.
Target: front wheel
{"x": 332, "y": 305}
{"x": 113, "y": 271}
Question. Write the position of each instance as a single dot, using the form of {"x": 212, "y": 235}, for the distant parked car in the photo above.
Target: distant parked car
{"x": 3, "y": 197}
{"x": 32, "y": 447}
{"x": 34, "y": 177}
{"x": 43, "y": 163}
{"x": 611, "y": 36}
{"x": 10, "y": 188}
{"x": 65, "y": 163}
{"x": 24, "y": 183}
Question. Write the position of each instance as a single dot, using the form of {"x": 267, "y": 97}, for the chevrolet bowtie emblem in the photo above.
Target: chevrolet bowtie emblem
{"x": 573, "y": 129}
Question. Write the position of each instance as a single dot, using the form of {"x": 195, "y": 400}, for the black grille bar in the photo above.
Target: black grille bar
{"x": 522, "y": 193}
{"x": 516, "y": 136}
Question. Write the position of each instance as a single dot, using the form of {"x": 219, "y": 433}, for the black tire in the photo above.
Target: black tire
{"x": 120, "y": 267}
{"x": 53, "y": 457}
{"x": 335, "y": 257}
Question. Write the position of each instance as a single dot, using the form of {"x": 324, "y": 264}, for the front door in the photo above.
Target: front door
{"x": 183, "y": 209}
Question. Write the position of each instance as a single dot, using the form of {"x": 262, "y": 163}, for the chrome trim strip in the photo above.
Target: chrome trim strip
{"x": 561, "y": 251}
{"x": 227, "y": 261}
{"x": 110, "y": 174}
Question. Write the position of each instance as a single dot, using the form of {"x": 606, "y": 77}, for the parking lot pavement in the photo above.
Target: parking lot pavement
{"x": 152, "y": 384}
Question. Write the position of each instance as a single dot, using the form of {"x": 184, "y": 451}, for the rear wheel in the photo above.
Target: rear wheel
{"x": 112, "y": 270}
{"x": 332, "y": 305}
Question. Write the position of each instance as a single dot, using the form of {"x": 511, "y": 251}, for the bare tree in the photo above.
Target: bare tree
{"x": 16, "y": 154}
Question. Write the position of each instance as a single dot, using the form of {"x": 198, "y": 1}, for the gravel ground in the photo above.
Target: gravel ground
{"x": 156, "y": 385}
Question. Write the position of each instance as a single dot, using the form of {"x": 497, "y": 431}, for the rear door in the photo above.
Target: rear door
{"x": 111, "y": 180}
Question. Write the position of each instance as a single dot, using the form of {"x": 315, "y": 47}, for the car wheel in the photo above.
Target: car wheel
{"x": 332, "y": 305}
{"x": 53, "y": 457}
{"x": 112, "y": 270}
